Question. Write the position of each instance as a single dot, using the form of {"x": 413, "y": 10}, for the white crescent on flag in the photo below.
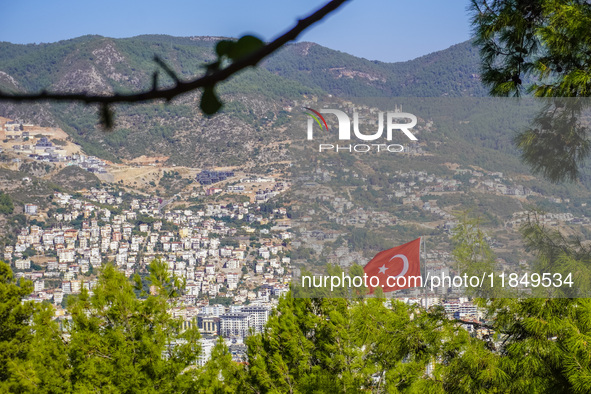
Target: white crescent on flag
{"x": 405, "y": 260}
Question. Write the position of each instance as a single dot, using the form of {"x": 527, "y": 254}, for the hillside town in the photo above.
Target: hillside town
{"x": 234, "y": 253}
{"x": 233, "y": 247}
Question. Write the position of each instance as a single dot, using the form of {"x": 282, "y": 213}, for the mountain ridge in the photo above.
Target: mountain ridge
{"x": 254, "y": 100}
{"x": 43, "y": 56}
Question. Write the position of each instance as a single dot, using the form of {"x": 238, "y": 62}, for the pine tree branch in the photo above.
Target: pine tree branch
{"x": 181, "y": 87}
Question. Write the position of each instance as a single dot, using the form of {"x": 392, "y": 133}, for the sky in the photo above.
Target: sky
{"x": 385, "y": 30}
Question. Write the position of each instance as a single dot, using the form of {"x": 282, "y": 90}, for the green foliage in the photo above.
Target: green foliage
{"x": 338, "y": 345}
{"x": 226, "y": 301}
{"x": 448, "y": 72}
{"x": 176, "y": 130}
{"x": 302, "y": 253}
{"x": 29, "y": 252}
{"x": 115, "y": 343}
{"x": 221, "y": 374}
{"x": 546, "y": 43}
{"x": 46, "y": 368}
{"x": 545, "y": 344}
{"x": 14, "y": 320}
{"x": 558, "y": 253}
{"x": 473, "y": 255}
{"x": 545, "y": 40}
{"x": 126, "y": 344}
{"x": 119, "y": 343}
{"x": 76, "y": 178}
{"x": 6, "y": 205}
{"x": 165, "y": 284}
{"x": 365, "y": 240}
{"x": 557, "y": 144}
{"x": 59, "y": 142}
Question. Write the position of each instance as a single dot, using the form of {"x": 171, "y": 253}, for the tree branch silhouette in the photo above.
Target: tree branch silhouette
{"x": 207, "y": 82}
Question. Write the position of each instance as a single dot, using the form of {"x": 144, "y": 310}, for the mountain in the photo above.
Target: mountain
{"x": 103, "y": 64}
{"x": 254, "y": 100}
{"x": 262, "y": 121}
{"x": 451, "y": 72}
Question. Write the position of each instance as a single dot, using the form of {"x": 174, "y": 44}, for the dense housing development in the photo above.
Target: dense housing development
{"x": 231, "y": 239}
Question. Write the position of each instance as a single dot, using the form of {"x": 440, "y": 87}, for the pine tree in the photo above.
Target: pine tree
{"x": 15, "y": 331}
{"x": 220, "y": 374}
{"x": 121, "y": 343}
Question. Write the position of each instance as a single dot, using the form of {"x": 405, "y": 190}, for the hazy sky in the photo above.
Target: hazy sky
{"x": 387, "y": 30}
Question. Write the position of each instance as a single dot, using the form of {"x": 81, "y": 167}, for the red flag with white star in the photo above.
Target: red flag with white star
{"x": 395, "y": 269}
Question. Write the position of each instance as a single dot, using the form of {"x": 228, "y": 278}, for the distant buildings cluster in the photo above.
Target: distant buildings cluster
{"x": 188, "y": 241}
{"x": 206, "y": 177}
{"x": 36, "y": 142}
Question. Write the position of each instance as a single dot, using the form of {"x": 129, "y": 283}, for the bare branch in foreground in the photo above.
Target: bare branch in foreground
{"x": 180, "y": 87}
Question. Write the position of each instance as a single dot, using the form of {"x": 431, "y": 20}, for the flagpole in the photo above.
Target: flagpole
{"x": 424, "y": 250}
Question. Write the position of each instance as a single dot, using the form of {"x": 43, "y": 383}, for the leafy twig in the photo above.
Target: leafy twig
{"x": 207, "y": 82}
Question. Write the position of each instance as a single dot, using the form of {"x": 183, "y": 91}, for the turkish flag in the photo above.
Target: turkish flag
{"x": 395, "y": 269}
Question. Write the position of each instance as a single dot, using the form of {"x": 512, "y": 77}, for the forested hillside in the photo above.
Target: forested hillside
{"x": 254, "y": 100}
